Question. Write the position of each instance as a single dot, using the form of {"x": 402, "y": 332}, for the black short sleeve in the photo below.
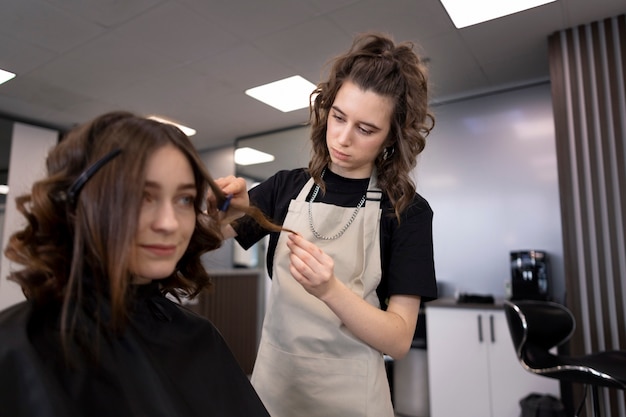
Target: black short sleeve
{"x": 406, "y": 246}
{"x": 407, "y": 253}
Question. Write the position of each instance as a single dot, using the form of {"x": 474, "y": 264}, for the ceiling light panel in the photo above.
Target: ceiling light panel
{"x": 286, "y": 95}
{"x": 5, "y": 76}
{"x": 466, "y": 13}
{"x": 251, "y": 156}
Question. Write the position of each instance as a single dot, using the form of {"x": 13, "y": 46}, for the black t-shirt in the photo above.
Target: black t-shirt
{"x": 406, "y": 247}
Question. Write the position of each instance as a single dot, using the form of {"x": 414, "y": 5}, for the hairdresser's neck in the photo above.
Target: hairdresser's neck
{"x": 352, "y": 173}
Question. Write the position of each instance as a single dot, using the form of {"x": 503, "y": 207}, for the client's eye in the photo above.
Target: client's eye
{"x": 187, "y": 200}
{"x": 147, "y": 197}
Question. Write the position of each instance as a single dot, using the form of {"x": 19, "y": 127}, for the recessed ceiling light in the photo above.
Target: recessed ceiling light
{"x": 286, "y": 95}
{"x": 466, "y": 13}
{"x": 251, "y": 156}
{"x": 5, "y": 76}
{"x": 186, "y": 130}
{"x": 4, "y": 189}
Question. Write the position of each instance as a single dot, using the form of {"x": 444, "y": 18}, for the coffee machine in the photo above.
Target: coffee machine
{"x": 530, "y": 275}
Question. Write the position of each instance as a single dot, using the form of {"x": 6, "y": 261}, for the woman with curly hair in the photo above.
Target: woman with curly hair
{"x": 347, "y": 286}
{"x": 119, "y": 221}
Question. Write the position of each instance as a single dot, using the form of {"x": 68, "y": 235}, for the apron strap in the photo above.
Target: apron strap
{"x": 305, "y": 190}
{"x": 374, "y": 195}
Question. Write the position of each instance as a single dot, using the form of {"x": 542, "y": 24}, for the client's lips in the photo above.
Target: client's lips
{"x": 160, "y": 250}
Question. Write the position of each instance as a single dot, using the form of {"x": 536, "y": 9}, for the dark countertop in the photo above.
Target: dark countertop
{"x": 452, "y": 303}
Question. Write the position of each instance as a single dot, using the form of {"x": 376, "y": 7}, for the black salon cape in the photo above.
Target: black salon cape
{"x": 168, "y": 362}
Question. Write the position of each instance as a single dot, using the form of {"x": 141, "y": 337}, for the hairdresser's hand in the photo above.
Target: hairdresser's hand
{"x": 236, "y": 187}
{"x": 311, "y": 267}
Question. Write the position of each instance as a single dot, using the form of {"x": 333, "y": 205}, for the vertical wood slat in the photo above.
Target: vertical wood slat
{"x": 232, "y": 306}
{"x": 587, "y": 69}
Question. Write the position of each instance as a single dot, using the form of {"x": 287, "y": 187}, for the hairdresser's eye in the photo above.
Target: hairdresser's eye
{"x": 365, "y": 130}
{"x": 338, "y": 117}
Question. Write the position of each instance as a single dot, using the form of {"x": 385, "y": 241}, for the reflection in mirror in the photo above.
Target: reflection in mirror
{"x": 6, "y": 129}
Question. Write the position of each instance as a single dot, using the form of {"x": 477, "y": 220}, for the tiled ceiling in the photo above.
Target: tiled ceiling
{"x": 191, "y": 60}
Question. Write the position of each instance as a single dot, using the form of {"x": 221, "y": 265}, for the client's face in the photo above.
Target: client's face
{"x": 167, "y": 218}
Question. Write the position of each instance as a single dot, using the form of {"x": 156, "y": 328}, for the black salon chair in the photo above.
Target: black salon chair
{"x": 538, "y": 326}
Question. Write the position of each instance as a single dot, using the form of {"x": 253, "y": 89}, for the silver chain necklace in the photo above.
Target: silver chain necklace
{"x": 344, "y": 228}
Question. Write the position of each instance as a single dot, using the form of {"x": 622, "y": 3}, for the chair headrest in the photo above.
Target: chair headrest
{"x": 540, "y": 324}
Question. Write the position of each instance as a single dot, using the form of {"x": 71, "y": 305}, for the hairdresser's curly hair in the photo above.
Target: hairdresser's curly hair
{"x": 375, "y": 63}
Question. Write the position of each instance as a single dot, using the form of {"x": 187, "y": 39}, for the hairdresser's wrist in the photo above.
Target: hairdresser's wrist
{"x": 228, "y": 217}
{"x": 228, "y": 232}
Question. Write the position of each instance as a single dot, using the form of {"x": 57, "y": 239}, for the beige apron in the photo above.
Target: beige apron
{"x": 309, "y": 364}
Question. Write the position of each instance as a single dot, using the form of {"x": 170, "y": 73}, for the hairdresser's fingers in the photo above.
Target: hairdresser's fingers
{"x": 232, "y": 185}
{"x": 236, "y": 189}
{"x": 310, "y": 261}
{"x": 311, "y": 248}
{"x": 224, "y": 181}
{"x": 314, "y": 280}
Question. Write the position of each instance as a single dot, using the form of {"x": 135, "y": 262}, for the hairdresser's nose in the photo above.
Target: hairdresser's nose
{"x": 344, "y": 134}
{"x": 165, "y": 218}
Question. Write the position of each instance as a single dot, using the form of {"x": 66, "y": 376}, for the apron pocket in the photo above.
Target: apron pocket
{"x": 297, "y": 385}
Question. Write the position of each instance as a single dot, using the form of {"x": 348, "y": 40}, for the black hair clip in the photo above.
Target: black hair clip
{"x": 79, "y": 183}
{"x": 226, "y": 203}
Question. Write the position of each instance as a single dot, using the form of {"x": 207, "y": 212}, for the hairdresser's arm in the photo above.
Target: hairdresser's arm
{"x": 389, "y": 331}
{"x": 238, "y": 188}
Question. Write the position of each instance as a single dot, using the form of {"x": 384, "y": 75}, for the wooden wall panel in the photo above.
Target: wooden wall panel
{"x": 588, "y": 76}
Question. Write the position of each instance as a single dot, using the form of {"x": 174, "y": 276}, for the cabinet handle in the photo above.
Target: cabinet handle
{"x": 480, "y": 328}
{"x": 491, "y": 329}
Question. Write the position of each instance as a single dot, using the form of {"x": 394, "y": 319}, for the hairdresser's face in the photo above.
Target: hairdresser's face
{"x": 358, "y": 124}
{"x": 167, "y": 218}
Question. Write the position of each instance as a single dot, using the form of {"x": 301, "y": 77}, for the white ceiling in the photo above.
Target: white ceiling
{"x": 191, "y": 60}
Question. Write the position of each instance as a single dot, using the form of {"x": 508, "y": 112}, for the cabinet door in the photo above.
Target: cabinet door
{"x": 457, "y": 363}
{"x": 510, "y": 382}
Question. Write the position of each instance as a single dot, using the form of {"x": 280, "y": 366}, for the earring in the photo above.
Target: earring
{"x": 388, "y": 152}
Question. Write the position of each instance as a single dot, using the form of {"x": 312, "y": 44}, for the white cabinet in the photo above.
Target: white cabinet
{"x": 472, "y": 367}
